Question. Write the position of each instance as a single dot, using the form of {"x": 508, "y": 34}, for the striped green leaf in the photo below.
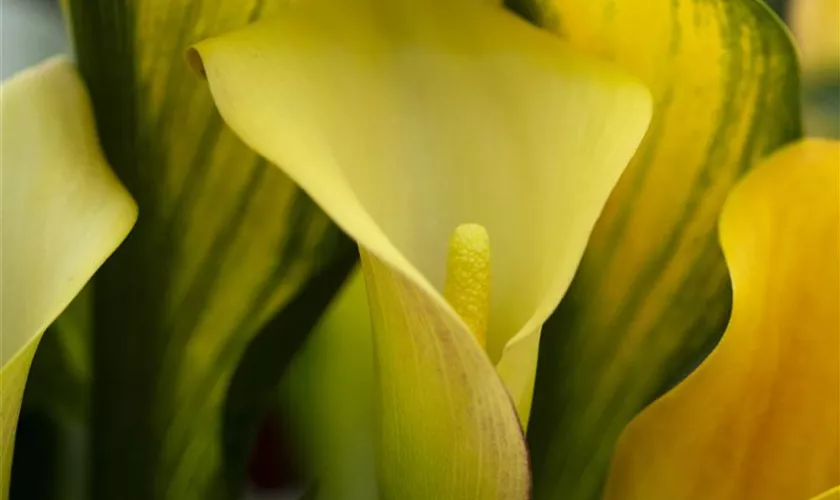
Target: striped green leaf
{"x": 224, "y": 243}
{"x": 652, "y": 294}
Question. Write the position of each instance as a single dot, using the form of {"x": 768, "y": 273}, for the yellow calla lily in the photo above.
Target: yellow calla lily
{"x": 63, "y": 212}
{"x": 403, "y": 135}
{"x": 287, "y": 103}
{"x": 469, "y": 155}
{"x": 760, "y": 418}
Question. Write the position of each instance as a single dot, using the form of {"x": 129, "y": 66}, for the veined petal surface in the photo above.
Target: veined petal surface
{"x": 760, "y": 418}
{"x": 62, "y": 213}
{"x": 447, "y": 428}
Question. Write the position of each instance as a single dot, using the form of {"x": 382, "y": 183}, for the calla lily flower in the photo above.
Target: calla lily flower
{"x": 63, "y": 213}
{"x": 489, "y": 163}
{"x": 760, "y": 418}
{"x": 428, "y": 163}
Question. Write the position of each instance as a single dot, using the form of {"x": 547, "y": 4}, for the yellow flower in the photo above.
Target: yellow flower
{"x": 63, "y": 213}
{"x": 288, "y": 87}
{"x": 479, "y": 163}
{"x": 403, "y": 121}
{"x": 760, "y": 418}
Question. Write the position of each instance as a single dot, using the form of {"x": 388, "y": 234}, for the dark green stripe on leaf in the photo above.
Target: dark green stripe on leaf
{"x": 224, "y": 243}
{"x": 628, "y": 329}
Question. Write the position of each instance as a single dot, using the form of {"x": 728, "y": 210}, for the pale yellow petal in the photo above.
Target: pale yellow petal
{"x": 406, "y": 119}
{"x": 760, "y": 418}
{"x": 62, "y": 212}
{"x": 446, "y": 425}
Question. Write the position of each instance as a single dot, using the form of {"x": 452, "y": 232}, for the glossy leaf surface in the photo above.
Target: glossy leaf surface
{"x": 225, "y": 242}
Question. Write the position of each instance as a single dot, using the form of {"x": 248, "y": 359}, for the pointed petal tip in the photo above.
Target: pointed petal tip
{"x": 56, "y": 181}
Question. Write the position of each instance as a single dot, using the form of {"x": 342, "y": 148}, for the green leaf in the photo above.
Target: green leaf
{"x": 225, "y": 243}
{"x": 254, "y": 385}
{"x": 327, "y": 398}
{"x": 63, "y": 213}
{"x": 56, "y": 402}
{"x": 652, "y": 295}
{"x": 60, "y": 378}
